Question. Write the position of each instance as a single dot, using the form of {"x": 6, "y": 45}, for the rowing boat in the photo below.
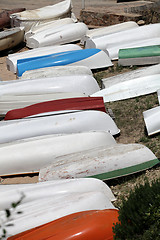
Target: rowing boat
{"x": 149, "y": 31}
{"x": 139, "y": 56}
{"x": 92, "y": 58}
{"x": 151, "y": 119}
{"x": 143, "y": 35}
{"x": 53, "y": 107}
{"x": 74, "y": 122}
{"x": 130, "y": 89}
{"x": 30, "y": 18}
{"x": 57, "y": 36}
{"x": 102, "y": 163}
{"x": 48, "y": 25}
{"x": 12, "y": 192}
{"x": 81, "y": 83}
{"x": 142, "y": 72}
{"x": 101, "y": 31}
{"x": 31, "y": 154}
{"x": 10, "y": 102}
{"x": 90, "y": 225}
{"x": 11, "y": 59}
{"x": 44, "y": 210}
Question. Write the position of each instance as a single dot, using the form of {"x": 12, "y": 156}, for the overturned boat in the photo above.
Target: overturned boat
{"x": 114, "y": 51}
{"x": 80, "y": 83}
{"x": 92, "y": 58}
{"x": 130, "y": 89}
{"x": 128, "y": 38}
{"x": 13, "y": 192}
{"x": 56, "y": 72}
{"x": 57, "y": 36}
{"x": 142, "y": 72}
{"x": 139, "y": 56}
{"x": 102, "y": 163}
{"x": 10, "y": 102}
{"x": 77, "y": 226}
{"x": 48, "y": 25}
{"x": 44, "y": 210}
{"x": 152, "y": 120}
{"x": 74, "y": 122}
{"x": 91, "y": 33}
{"x": 56, "y": 106}
{"x": 11, "y": 37}
{"x": 30, "y": 18}
{"x": 11, "y": 59}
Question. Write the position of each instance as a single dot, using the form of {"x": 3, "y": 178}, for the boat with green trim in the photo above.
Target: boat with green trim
{"x": 102, "y": 163}
{"x": 139, "y": 56}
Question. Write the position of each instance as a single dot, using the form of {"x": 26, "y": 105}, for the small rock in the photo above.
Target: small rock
{"x": 141, "y": 22}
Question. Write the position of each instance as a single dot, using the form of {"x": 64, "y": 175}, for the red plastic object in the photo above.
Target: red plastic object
{"x": 87, "y": 225}
{"x": 82, "y": 103}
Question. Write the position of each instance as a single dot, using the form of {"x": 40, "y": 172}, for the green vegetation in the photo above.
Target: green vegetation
{"x": 139, "y": 215}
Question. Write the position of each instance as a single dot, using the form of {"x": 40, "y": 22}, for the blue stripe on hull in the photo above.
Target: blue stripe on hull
{"x": 56, "y": 59}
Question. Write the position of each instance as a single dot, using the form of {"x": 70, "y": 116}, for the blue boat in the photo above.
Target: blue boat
{"x": 92, "y": 58}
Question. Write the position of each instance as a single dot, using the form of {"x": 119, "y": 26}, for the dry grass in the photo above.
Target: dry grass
{"x": 129, "y": 119}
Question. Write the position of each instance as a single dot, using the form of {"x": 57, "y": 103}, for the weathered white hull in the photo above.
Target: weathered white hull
{"x": 43, "y": 190}
{"x": 82, "y": 84}
{"x": 34, "y": 17}
{"x": 48, "y": 209}
{"x": 109, "y": 30}
{"x": 103, "y": 163}
{"x": 129, "y": 89}
{"x": 27, "y": 156}
{"x": 56, "y": 72}
{"x": 48, "y": 25}
{"x": 9, "y": 102}
{"x": 11, "y": 37}
{"x": 152, "y": 120}
{"x": 60, "y": 35}
{"x": 142, "y": 72}
{"x": 11, "y": 60}
{"x": 130, "y": 37}
{"x": 64, "y": 123}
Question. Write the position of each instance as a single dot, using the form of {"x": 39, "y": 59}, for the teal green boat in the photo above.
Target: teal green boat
{"x": 139, "y": 56}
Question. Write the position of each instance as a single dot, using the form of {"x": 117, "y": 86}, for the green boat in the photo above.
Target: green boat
{"x": 139, "y": 56}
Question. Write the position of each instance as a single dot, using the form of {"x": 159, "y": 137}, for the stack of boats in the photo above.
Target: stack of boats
{"x": 55, "y": 124}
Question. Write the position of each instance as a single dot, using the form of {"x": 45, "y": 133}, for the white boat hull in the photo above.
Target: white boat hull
{"x": 81, "y": 83}
{"x": 11, "y": 60}
{"x": 48, "y": 25}
{"x": 27, "y": 156}
{"x": 56, "y": 72}
{"x": 142, "y": 72}
{"x": 152, "y": 120}
{"x": 108, "y": 30}
{"x": 130, "y": 37}
{"x": 34, "y": 17}
{"x": 130, "y": 89}
{"x": 10, "y": 102}
{"x": 60, "y": 35}
{"x": 64, "y": 123}
{"x": 48, "y": 209}
{"x": 43, "y": 190}
{"x": 103, "y": 163}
